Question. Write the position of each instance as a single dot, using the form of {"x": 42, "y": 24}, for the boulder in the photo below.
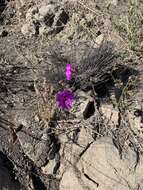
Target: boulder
{"x": 101, "y": 168}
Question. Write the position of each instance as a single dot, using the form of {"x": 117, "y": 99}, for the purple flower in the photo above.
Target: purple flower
{"x": 65, "y": 99}
{"x": 68, "y": 71}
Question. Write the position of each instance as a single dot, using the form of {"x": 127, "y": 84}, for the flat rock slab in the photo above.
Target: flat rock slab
{"x": 102, "y": 168}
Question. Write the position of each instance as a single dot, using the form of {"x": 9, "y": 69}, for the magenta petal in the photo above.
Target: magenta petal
{"x": 65, "y": 99}
{"x": 68, "y": 71}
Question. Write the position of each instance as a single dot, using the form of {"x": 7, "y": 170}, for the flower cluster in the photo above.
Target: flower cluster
{"x": 65, "y": 98}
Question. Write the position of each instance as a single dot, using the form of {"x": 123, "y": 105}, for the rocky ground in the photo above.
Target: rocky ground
{"x": 98, "y": 144}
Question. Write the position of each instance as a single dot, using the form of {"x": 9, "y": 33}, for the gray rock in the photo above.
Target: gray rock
{"x": 100, "y": 167}
{"x": 45, "y": 10}
{"x": 49, "y": 18}
{"x": 73, "y": 151}
{"x": 81, "y": 104}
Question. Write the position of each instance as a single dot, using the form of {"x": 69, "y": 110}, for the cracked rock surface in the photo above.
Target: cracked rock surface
{"x": 101, "y": 167}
